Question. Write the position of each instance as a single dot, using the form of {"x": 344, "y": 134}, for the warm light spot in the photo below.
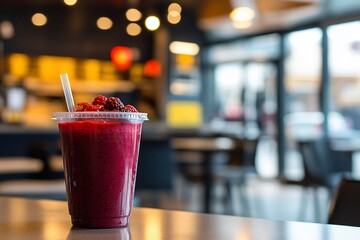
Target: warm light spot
{"x": 39, "y": 19}
{"x": 152, "y": 23}
{"x": 173, "y": 17}
{"x": 92, "y": 69}
{"x": 6, "y": 29}
{"x": 133, "y": 15}
{"x": 152, "y": 68}
{"x": 121, "y": 57}
{"x": 182, "y": 59}
{"x": 174, "y": 13}
{"x": 174, "y": 7}
{"x": 70, "y": 2}
{"x": 19, "y": 64}
{"x": 136, "y": 73}
{"x": 242, "y": 24}
{"x": 104, "y": 23}
{"x": 133, "y": 29}
{"x": 242, "y": 14}
{"x": 50, "y": 66}
{"x": 184, "y": 48}
{"x": 178, "y": 88}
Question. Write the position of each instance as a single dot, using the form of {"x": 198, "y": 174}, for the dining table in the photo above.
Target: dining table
{"x": 208, "y": 147}
{"x": 31, "y": 219}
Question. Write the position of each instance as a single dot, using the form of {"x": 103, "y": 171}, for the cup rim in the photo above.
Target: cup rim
{"x": 130, "y": 116}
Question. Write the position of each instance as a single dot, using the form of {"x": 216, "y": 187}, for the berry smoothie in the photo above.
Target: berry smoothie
{"x": 100, "y": 161}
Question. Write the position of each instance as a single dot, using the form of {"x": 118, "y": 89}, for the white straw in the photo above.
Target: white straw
{"x": 67, "y": 92}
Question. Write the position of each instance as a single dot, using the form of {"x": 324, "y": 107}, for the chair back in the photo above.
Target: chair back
{"x": 317, "y": 163}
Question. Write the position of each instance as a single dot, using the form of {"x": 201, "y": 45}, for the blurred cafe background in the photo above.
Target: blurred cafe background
{"x": 254, "y": 105}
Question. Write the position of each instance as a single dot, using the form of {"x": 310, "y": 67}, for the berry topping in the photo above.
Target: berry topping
{"x": 129, "y": 108}
{"x": 95, "y": 108}
{"x": 82, "y": 106}
{"x": 113, "y": 103}
{"x": 102, "y": 103}
{"x": 99, "y": 100}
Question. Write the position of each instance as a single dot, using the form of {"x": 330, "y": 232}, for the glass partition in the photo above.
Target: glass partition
{"x": 303, "y": 118}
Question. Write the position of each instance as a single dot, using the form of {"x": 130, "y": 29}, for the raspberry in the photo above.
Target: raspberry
{"x": 113, "y": 103}
{"x": 99, "y": 100}
{"x": 94, "y": 108}
{"x": 80, "y": 107}
{"x": 129, "y": 108}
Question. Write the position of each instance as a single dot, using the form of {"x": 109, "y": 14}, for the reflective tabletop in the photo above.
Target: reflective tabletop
{"x": 47, "y": 219}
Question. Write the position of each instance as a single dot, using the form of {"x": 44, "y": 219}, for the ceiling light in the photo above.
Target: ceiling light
{"x": 70, "y": 2}
{"x": 242, "y": 24}
{"x": 187, "y": 48}
{"x": 174, "y": 7}
{"x": 39, "y": 19}
{"x": 174, "y": 13}
{"x": 242, "y": 14}
{"x": 133, "y": 15}
{"x": 133, "y": 29}
{"x": 173, "y": 18}
{"x": 104, "y": 23}
{"x": 152, "y": 23}
{"x": 6, "y": 29}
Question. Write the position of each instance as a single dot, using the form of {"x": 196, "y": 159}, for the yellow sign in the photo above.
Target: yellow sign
{"x": 184, "y": 114}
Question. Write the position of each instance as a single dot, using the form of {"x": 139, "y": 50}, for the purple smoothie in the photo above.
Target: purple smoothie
{"x": 100, "y": 162}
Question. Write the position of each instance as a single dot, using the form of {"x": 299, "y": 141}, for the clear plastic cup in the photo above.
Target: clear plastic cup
{"x": 100, "y": 154}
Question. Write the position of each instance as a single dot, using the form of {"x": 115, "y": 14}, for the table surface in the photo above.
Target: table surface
{"x": 46, "y": 219}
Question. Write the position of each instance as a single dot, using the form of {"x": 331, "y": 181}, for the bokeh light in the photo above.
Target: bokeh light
{"x": 39, "y": 19}
{"x": 104, "y": 23}
{"x": 133, "y": 15}
{"x": 70, "y": 2}
{"x": 174, "y": 7}
{"x": 152, "y": 23}
{"x": 133, "y": 29}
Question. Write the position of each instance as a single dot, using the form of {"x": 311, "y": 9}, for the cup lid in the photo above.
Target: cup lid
{"x": 126, "y": 116}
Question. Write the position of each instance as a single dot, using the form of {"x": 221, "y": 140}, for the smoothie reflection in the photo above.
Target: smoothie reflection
{"x": 101, "y": 234}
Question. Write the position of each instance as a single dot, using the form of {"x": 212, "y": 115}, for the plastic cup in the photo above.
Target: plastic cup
{"x": 100, "y": 153}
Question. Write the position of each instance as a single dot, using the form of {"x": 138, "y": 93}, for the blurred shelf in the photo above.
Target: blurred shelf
{"x": 40, "y": 88}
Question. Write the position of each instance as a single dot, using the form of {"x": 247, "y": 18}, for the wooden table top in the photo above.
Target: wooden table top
{"x": 46, "y": 219}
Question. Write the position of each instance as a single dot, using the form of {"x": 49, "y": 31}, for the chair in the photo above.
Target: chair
{"x": 236, "y": 172}
{"x": 320, "y": 171}
{"x": 345, "y": 205}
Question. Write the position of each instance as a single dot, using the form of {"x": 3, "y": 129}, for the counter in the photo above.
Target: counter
{"x": 48, "y": 219}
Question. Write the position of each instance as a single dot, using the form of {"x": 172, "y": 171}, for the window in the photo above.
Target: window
{"x": 228, "y": 91}
{"x": 344, "y": 65}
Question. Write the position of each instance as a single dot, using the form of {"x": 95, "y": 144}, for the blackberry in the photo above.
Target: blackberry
{"x": 113, "y": 103}
{"x": 129, "y": 108}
